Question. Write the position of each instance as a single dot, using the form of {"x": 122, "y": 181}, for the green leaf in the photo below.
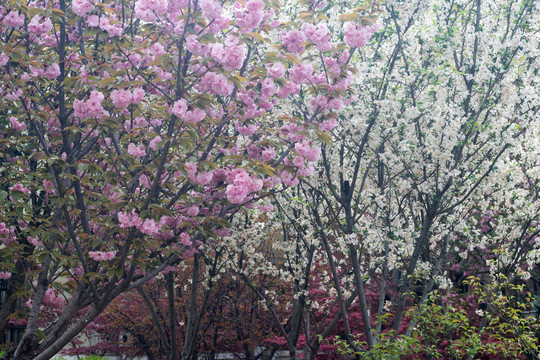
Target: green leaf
{"x": 256, "y": 35}
{"x": 40, "y": 334}
{"x": 107, "y": 81}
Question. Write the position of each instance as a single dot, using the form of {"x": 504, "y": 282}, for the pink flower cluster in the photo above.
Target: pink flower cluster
{"x": 275, "y": 70}
{"x": 14, "y": 95}
{"x": 104, "y": 24}
{"x": 82, "y": 7}
{"x": 39, "y": 28}
{"x": 90, "y": 108}
{"x": 34, "y": 241}
{"x": 211, "y": 9}
{"x": 242, "y": 185}
{"x": 318, "y": 35}
{"x": 180, "y": 109}
{"x": 199, "y": 178}
{"x": 154, "y": 143}
{"x": 268, "y": 154}
{"x": 301, "y": 72}
{"x": 13, "y": 19}
{"x": 124, "y": 98}
{"x": 129, "y": 219}
{"x": 288, "y": 89}
{"x": 149, "y": 10}
{"x": 8, "y": 234}
{"x": 250, "y": 16}
{"x": 51, "y": 298}
{"x": 102, "y": 255}
{"x": 5, "y": 275}
{"x": 138, "y": 122}
{"x": 310, "y": 154}
{"x": 52, "y": 72}
{"x": 358, "y": 36}
{"x": 149, "y": 227}
{"x": 231, "y": 56}
{"x": 246, "y": 130}
{"x": 293, "y": 41}
{"x": 288, "y": 178}
{"x": 4, "y": 58}
{"x": 328, "y": 125}
{"x": 136, "y": 151}
{"x": 215, "y": 84}
{"x": 268, "y": 88}
{"x": 185, "y": 239}
{"x": 194, "y": 116}
{"x": 20, "y": 187}
{"x": 322, "y": 102}
{"x": 19, "y": 126}
{"x": 4, "y": 230}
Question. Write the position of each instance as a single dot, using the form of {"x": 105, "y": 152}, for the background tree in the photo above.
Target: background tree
{"x": 133, "y": 129}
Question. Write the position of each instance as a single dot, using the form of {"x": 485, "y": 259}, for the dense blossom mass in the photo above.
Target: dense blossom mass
{"x": 136, "y": 130}
{"x": 341, "y": 168}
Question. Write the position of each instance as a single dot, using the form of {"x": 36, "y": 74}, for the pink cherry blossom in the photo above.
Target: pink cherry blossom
{"x": 193, "y": 211}
{"x": 328, "y": 125}
{"x": 121, "y": 98}
{"x": 358, "y": 36}
{"x": 289, "y": 179}
{"x": 129, "y": 219}
{"x": 82, "y": 7}
{"x": 4, "y": 230}
{"x": 34, "y": 241}
{"x": 246, "y": 130}
{"x": 201, "y": 178}
{"x": 310, "y": 154}
{"x": 144, "y": 181}
{"x": 5, "y": 275}
{"x": 4, "y": 58}
{"x": 250, "y": 16}
{"x": 136, "y": 151}
{"x": 210, "y": 9}
{"x": 52, "y": 72}
{"x": 137, "y": 95}
{"x": 149, "y": 227}
{"x": 19, "y": 126}
{"x": 52, "y": 299}
{"x": 154, "y": 143}
{"x": 269, "y": 154}
{"x": 90, "y": 108}
{"x": 306, "y": 171}
{"x": 288, "y": 89}
{"x": 236, "y": 194}
{"x": 39, "y": 28}
{"x": 275, "y": 70}
{"x": 14, "y": 19}
{"x": 301, "y": 72}
{"x": 318, "y": 35}
{"x": 293, "y": 41}
{"x": 268, "y": 88}
{"x": 185, "y": 239}
{"x": 20, "y": 187}
{"x": 148, "y": 10}
{"x": 194, "y": 116}
{"x": 102, "y": 255}
{"x": 215, "y": 84}
{"x": 14, "y": 95}
{"x": 179, "y": 108}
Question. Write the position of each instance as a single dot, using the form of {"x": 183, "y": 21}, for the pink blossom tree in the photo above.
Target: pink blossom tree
{"x": 435, "y": 166}
{"x": 137, "y": 128}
